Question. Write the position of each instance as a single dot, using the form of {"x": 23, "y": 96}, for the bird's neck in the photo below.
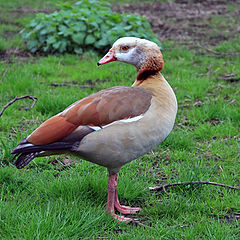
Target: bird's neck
{"x": 151, "y": 79}
{"x": 143, "y": 75}
{"x": 156, "y": 85}
{"x": 149, "y": 66}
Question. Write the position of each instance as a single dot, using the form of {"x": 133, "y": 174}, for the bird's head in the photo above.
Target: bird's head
{"x": 143, "y": 54}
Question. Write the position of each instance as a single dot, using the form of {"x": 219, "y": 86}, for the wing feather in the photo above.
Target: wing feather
{"x": 51, "y": 130}
{"x": 99, "y": 109}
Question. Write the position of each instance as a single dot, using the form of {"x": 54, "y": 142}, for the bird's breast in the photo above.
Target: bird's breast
{"x": 123, "y": 142}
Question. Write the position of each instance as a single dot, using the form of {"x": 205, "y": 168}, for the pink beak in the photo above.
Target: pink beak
{"x": 109, "y": 57}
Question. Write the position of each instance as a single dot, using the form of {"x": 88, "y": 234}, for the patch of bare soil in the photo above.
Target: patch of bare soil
{"x": 3, "y": 21}
{"x": 7, "y": 55}
{"x": 189, "y": 21}
{"x": 24, "y": 10}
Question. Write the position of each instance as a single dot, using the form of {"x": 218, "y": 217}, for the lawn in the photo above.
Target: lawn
{"x": 61, "y": 197}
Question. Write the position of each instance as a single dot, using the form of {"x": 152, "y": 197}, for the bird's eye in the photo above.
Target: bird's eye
{"x": 125, "y": 48}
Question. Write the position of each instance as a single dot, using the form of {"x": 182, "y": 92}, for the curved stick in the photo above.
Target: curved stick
{"x": 160, "y": 188}
{"x": 18, "y": 98}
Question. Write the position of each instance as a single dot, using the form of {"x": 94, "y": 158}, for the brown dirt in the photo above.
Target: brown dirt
{"x": 20, "y": 54}
{"x": 189, "y": 21}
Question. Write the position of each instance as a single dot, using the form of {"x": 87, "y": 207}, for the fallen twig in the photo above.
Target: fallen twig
{"x": 3, "y": 75}
{"x": 66, "y": 85}
{"x": 19, "y": 98}
{"x": 219, "y": 54}
{"x": 163, "y": 187}
{"x": 229, "y": 78}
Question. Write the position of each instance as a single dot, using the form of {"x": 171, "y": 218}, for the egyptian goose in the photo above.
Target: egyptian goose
{"x": 114, "y": 126}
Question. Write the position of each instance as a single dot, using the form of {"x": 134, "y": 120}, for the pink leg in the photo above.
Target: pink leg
{"x": 111, "y": 194}
{"x": 123, "y": 209}
{"x": 113, "y": 201}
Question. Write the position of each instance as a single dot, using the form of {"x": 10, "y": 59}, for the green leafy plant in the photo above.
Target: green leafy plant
{"x": 88, "y": 24}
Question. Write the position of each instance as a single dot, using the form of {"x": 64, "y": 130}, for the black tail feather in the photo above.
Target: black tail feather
{"x": 29, "y": 147}
{"x": 26, "y": 151}
{"x": 24, "y": 159}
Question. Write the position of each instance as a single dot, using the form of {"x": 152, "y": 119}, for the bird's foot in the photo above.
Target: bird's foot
{"x": 113, "y": 203}
{"x": 125, "y": 209}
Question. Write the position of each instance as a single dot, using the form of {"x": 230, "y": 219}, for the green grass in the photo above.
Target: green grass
{"x": 46, "y": 201}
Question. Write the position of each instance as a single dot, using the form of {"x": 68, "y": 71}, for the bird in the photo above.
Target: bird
{"x": 113, "y": 126}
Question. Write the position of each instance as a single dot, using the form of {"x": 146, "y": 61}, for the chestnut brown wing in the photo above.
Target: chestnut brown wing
{"x": 98, "y": 109}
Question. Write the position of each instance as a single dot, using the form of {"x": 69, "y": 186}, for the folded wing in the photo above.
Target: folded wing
{"x": 98, "y": 109}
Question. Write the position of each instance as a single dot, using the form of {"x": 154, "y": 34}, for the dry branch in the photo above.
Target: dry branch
{"x": 229, "y": 78}
{"x": 66, "y": 85}
{"x": 164, "y": 187}
{"x": 19, "y": 98}
{"x": 219, "y": 54}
